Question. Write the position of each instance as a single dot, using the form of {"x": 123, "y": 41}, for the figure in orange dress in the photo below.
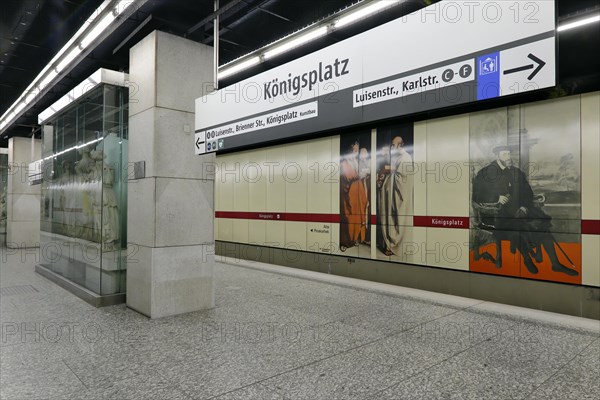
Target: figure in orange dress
{"x": 354, "y": 202}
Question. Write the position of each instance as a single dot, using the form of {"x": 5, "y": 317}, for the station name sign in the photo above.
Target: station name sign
{"x": 450, "y": 53}
{"x": 308, "y": 80}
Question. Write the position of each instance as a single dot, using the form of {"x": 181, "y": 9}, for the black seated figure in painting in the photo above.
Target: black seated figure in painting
{"x": 507, "y": 207}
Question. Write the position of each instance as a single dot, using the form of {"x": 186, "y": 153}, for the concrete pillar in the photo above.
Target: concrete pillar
{"x": 170, "y": 266}
{"x": 23, "y": 200}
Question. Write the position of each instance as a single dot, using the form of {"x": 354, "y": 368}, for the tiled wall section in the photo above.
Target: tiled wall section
{"x": 590, "y": 183}
{"x": 303, "y": 178}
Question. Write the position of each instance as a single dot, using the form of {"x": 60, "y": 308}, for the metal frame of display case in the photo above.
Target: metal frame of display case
{"x": 84, "y": 191}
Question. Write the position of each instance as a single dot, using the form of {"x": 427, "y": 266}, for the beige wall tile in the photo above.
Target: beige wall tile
{"x": 420, "y": 159}
{"x": 447, "y": 248}
{"x": 241, "y": 193}
{"x": 446, "y": 172}
{"x": 226, "y": 177}
{"x": 590, "y": 155}
{"x": 252, "y": 172}
{"x": 335, "y": 239}
{"x": 334, "y": 172}
{"x": 257, "y": 232}
{"x": 319, "y": 176}
{"x": 295, "y": 173}
{"x": 275, "y": 235}
{"x": 318, "y": 237}
{"x": 240, "y": 230}
{"x": 590, "y": 271}
{"x": 276, "y": 184}
{"x": 295, "y": 235}
{"x": 226, "y": 229}
{"x": 217, "y": 223}
{"x": 413, "y": 246}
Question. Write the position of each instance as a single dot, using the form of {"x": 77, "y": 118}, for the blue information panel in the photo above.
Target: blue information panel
{"x": 488, "y": 76}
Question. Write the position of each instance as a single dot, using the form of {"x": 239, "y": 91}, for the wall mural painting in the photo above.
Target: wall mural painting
{"x": 355, "y": 193}
{"x": 395, "y": 183}
{"x": 526, "y": 192}
{"x": 84, "y": 202}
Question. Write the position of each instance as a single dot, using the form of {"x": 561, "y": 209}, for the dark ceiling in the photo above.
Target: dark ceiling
{"x": 32, "y": 32}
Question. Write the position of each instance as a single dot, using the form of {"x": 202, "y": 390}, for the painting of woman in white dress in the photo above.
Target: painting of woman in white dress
{"x": 394, "y": 187}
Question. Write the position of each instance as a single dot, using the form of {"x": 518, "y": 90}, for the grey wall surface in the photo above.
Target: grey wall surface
{"x": 581, "y": 301}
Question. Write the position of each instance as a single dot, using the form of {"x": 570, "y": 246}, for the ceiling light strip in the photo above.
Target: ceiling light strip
{"x": 361, "y": 10}
{"x": 577, "y": 24}
{"x": 298, "y": 41}
{"x": 365, "y": 12}
{"x": 354, "y": 13}
{"x": 234, "y": 69}
{"x": 44, "y": 78}
{"x": 93, "y": 28}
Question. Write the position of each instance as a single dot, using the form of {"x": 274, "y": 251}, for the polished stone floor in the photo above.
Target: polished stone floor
{"x": 274, "y": 336}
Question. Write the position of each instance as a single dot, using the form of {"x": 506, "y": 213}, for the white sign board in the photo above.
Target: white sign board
{"x": 453, "y": 52}
{"x": 212, "y": 139}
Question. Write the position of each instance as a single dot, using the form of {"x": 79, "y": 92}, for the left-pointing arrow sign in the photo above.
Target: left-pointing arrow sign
{"x": 540, "y": 65}
{"x": 198, "y": 143}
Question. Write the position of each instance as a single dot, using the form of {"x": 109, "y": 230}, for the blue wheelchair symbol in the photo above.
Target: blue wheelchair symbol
{"x": 488, "y": 65}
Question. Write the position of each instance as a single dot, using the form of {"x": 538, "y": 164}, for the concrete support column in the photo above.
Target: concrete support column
{"x": 170, "y": 266}
{"x": 23, "y": 200}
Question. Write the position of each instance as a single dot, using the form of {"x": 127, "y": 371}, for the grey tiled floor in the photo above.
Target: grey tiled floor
{"x": 279, "y": 337}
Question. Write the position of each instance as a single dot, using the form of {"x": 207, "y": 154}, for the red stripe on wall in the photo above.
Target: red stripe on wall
{"x": 234, "y": 215}
{"x": 267, "y": 216}
{"x": 441, "y": 222}
{"x": 590, "y": 226}
{"x": 424, "y": 221}
{"x": 301, "y": 217}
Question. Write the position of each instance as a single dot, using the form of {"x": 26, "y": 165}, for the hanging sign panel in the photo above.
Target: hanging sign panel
{"x": 453, "y": 52}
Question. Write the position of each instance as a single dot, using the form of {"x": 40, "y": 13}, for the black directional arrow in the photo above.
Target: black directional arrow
{"x": 198, "y": 142}
{"x": 539, "y": 62}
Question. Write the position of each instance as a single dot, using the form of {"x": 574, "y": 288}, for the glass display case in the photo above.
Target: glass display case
{"x": 84, "y": 191}
{"x": 3, "y": 190}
